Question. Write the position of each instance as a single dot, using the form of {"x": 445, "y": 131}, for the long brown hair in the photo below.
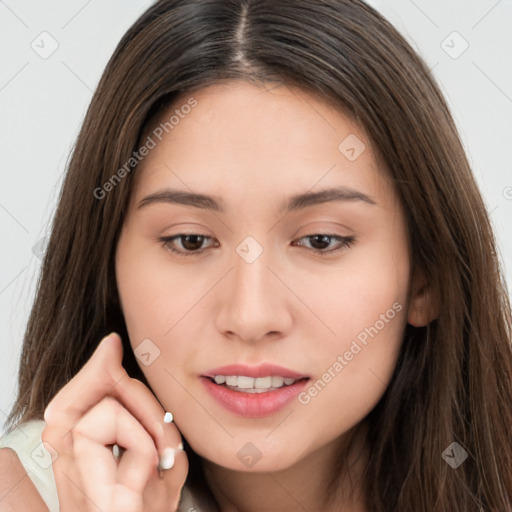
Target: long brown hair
{"x": 452, "y": 382}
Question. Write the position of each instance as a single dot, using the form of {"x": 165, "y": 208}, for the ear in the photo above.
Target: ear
{"x": 423, "y": 306}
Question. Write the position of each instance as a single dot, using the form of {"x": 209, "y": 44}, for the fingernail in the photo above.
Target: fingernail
{"x": 105, "y": 339}
{"x": 167, "y": 459}
{"x": 168, "y": 417}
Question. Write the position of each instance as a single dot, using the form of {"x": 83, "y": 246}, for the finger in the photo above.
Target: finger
{"x": 164, "y": 493}
{"x": 105, "y": 424}
{"x": 66, "y": 475}
{"x": 104, "y": 375}
{"x": 98, "y": 478}
{"x": 70, "y": 490}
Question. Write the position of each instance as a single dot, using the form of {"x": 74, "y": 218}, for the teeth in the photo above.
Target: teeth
{"x": 232, "y": 380}
{"x": 277, "y": 381}
{"x": 254, "y": 385}
{"x": 245, "y": 382}
{"x": 261, "y": 382}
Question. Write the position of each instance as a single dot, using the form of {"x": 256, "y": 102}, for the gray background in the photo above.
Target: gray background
{"x": 43, "y": 98}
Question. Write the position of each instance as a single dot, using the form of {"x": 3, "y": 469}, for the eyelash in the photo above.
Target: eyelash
{"x": 345, "y": 243}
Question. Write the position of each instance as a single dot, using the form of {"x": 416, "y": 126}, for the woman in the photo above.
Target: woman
{"x": 227, "y": 142}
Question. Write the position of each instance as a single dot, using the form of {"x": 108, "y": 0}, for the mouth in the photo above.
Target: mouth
{"x": 253, "y": 391}
{"x": 245, "y": 384}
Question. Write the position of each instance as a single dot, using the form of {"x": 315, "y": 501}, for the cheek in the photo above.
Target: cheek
{"x": 351, "y": 297}
{"x": 366, "y": 307}
{"x": 155, "y": 295}
{"x": 354, "y": 374}
{"x": 155, "y": 299}
{"x": 160, "y": 304}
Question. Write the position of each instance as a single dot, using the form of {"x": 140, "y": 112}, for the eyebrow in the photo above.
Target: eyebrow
{"x": 296, "y": 202}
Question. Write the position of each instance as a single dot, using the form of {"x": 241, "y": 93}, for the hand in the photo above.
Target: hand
{"x": 102, "y": 406}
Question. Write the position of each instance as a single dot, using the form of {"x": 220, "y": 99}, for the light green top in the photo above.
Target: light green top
{"x": 26, "y": 441}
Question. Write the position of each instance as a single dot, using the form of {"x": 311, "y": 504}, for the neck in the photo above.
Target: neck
{"x": 303, "y": 486}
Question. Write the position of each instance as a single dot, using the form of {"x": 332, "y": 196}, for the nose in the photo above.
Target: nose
{"x": 254, "y": 302}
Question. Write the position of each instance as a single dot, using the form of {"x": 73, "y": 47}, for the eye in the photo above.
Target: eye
{"x": 192, "y": 243}
{"x": 319, "y": 242}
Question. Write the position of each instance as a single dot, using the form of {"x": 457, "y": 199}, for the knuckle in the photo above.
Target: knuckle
{"x": 110, "y": 403}
{"x": 146, "y": 447}
{"x": 107, "y": 407}
{"x": 149, "y": 454}
{"x": 46, "y": 434}
{"x": 80, "y": 429}
{"x": 80, "y": 445}
{"x": 114, "y": 374}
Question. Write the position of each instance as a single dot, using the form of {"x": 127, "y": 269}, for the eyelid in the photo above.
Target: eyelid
{"x": 166, "y": 243}
{"x": 345, "y": 242}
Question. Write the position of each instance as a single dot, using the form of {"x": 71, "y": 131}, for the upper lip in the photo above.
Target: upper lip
{"x": 261, "y": 370}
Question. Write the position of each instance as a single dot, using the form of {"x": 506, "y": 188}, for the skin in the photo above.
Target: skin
{"x": 99, "y": 407}
{"x": 253, "y": 146}
{"x": 17, "y": 491}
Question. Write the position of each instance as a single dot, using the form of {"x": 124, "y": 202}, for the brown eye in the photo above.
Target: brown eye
{"x": 320, "y": 242}
{"x": 190, "y": 243}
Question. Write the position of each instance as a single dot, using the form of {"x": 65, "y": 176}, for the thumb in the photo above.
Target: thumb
{"x": 105, "y": 364}
{"x": 109, "y": 355}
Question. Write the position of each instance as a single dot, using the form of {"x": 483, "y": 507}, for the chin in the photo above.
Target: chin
{"x": 252, "y": 456}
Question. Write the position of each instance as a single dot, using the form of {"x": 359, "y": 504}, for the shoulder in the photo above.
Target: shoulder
{"x": 23, "y": 450}
{"x": 17, "y": 491}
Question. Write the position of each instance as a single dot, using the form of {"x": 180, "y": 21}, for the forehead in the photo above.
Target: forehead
{"x": 257, "y": 138}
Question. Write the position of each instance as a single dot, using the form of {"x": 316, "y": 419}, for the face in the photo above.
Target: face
{"x": 314, "y": 290}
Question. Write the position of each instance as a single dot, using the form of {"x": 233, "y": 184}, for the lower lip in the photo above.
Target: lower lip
{"x": 254, "y": 405}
